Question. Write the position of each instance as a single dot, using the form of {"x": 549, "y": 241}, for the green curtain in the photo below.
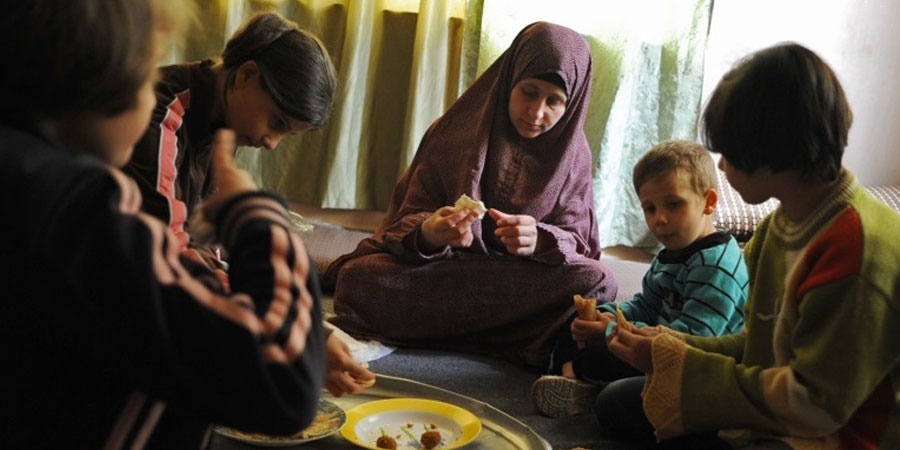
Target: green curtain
{"x": 646, "y": 84}
{"x": 402, "y": 63}
{"x": 398, "y": 64}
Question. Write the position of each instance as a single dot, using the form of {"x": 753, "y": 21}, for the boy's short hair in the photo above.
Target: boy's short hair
{"x": 295, "y": 67}
{"x": 687, "y": 157}
{"x": 781, "y": 108}
{"x": 85, "y": 56}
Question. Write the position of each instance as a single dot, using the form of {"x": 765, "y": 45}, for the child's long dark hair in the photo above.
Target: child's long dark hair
{"x": 782, "y": 108}
{"x": 294, "y": 65}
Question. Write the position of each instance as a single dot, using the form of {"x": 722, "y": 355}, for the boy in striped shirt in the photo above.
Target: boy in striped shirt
{"x": 697, "y": 284}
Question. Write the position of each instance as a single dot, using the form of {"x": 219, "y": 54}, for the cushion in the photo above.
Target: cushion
{"x": 736, "y": 217}
{"x": 740, "y": 219}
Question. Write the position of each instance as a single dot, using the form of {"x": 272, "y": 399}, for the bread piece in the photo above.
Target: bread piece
{"x": 464, "y": 201}
{"x": 622, "y": 321}
{"x": 586, "y": 307}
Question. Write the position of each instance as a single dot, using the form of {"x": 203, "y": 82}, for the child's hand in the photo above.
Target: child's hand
{"x": 517, "y": 232}
{"x": 230, "y": 180}
{"x": 633, "y": 348}
{"x": 587, "y": 330}
{"x": 343, "y": 375}
{"x": 447, "y": 226}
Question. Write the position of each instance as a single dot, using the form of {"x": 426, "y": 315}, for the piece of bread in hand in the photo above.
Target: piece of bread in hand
{"x": 477, "y": 206}
{"x": 621, "y": 321}
{"x": 586, "y": 307}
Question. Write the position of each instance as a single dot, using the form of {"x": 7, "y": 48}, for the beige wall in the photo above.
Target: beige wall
{"x": 860, "y": 39}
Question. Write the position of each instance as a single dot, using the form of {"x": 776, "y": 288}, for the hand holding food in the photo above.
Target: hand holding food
{"x": 633, "y": 348}
{"x": 621, "y": 321}
{"x": 343, "y": 375}
{"x": 447, "y": 226}
{"x": 590, "y": 330}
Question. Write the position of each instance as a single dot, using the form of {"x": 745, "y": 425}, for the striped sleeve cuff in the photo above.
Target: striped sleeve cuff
{"x": 248, "y": 207}
{"x": 662, "y": 391}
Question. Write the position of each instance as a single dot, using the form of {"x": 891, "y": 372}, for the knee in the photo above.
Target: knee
{"x": 595, "y": 279}
{"x": 614, "y": 403}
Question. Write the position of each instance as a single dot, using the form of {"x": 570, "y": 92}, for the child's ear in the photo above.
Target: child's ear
{"x": 246, "y": 72}
{"x": 712, "y": 198}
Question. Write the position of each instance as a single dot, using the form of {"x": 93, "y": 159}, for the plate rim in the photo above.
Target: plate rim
{"x": 471, "y": 426}
{"x": 225, "y": 431}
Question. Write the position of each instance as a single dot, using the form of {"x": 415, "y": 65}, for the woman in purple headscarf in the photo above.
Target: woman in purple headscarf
{"x": 435, "y": 276}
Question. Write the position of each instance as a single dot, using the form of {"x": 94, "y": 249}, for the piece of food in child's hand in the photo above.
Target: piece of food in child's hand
{"x": 430, "y": 439}
{"x": 365, "y": 384}
{"x": 621, "y": 321}
{"x": 587, "y": 310}
{"x": 465, "y": 202}
{"x": 586, "y": 307}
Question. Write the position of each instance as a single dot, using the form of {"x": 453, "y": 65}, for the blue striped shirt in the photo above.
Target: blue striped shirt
{"x": 699, "y": 290}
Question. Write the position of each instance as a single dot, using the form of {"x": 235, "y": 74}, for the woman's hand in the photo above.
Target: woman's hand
{"x": 447, "y": 226}
{"x": 343, "y": 375}
{"x": 517, "y": 232}
{"x": 591, "y": 330}
{"x": 633, "y": 348}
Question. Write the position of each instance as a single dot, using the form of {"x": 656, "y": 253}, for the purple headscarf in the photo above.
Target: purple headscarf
{"x": 474, "y": 149}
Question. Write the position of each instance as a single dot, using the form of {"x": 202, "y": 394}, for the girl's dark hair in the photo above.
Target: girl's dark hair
{"x": 781, "y": 108}
{"x": 67, "y": 57}
{"x": 294, "y": 66}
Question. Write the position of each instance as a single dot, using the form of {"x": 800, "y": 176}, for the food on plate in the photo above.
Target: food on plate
{"x": 323, "y": 423}
{"x": 385, "y": 441}
{"x": 465, "y": 202}
{"x": 430, "y": 439}
{"x": 621, "y": 321}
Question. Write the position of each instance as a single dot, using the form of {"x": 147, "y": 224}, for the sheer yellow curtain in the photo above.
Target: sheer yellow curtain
{"x": 398, "y": 63}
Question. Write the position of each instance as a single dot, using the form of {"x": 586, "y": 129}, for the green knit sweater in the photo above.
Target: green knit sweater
{"x": 818, "y": 362}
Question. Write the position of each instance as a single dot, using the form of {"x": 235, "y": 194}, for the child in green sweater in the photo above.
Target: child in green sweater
{"x": 817, "y": 364}
{"x": 697, "y": 284}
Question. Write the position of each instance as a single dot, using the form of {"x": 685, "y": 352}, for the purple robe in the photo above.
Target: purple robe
{"x": 482, "y": 298}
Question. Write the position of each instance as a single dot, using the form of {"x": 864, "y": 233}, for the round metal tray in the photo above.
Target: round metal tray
{"x": 499, "y": 431}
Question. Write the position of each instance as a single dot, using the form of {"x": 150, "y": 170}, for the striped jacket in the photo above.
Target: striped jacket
{"x": 818, "y": 363}
{"x": 700, "y": 289}
{"x": 110, "y": 341}
{"x": 171, "y": 162}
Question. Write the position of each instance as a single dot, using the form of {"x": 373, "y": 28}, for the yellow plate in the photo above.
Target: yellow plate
{"x": 364, "y": 423}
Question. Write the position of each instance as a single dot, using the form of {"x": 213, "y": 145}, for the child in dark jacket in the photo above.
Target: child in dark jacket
{"x": 109, "y": 340}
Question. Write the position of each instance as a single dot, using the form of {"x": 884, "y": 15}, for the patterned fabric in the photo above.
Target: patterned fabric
{"x": 736, "y": 217}
{"x": 740, "y": 219}
{"x": 889, "y": 195}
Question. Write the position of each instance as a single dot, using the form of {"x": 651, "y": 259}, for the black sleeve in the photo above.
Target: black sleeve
{"x": 251, "y": 359}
